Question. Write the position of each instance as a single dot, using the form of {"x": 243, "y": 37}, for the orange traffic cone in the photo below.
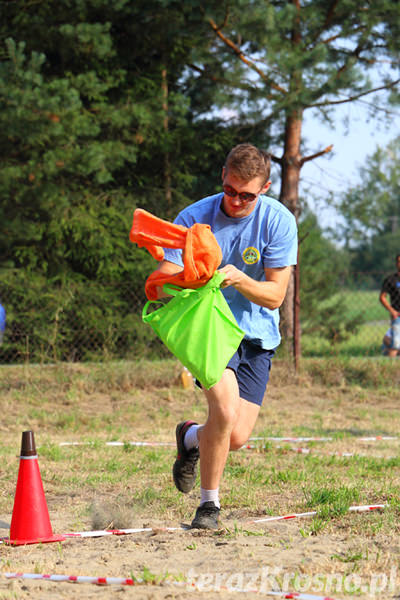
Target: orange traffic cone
{"x": 30, "y": 523}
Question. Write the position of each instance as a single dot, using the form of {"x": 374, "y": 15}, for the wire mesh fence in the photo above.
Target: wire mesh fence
{"x": 98, "y": 321}
{"x": 75, "y": 322}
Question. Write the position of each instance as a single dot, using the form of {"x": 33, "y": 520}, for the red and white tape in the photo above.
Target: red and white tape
{"x": 377, "y": 438}
{"x": 73, "y": 578}
{"x": 364, "y": 508}
{"x": 152, "y": 444}
{"x": 339, "y": 454}
{"x": 291, "y": 439}
{"x": 172, "y": 444}
{"x": 288, "y": 440}
{"x": 110, "y": 532}
{"x": 131, "y": 581}
{"x": 105, "y": 532}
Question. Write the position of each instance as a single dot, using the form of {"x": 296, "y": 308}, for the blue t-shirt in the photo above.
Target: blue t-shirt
{"x": 267, "y": 238}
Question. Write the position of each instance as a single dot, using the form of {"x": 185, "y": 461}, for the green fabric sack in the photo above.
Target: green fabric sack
{"x": 198, "y": 327}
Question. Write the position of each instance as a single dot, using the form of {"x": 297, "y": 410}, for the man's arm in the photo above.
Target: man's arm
{"x": 269, "y": 293}
{"x": 168, "y": 268}
{"x": 384, "y": 301}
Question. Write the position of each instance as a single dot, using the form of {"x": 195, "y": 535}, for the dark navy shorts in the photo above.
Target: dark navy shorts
{"x": 252, "y": 365}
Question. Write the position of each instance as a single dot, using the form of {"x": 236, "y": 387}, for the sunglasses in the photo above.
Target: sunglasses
{"x": 243, "y": 196}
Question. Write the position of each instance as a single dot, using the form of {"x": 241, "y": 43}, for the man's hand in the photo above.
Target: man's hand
{"x": 232, "y": 276}
{"x": 384, "y": 301}
{"x": 269, "y": 293}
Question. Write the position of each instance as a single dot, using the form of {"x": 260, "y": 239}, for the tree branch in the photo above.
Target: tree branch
{"x": 305, "y": 236}
{"x": 355, "y": 53}
{"x": 376, "y": 107}
{"x": 328, "y": 19}
{"x": 204, "y": 72}
{"x": 331, "y": 39}
{"x": 243, "y": 58}
{"x": 351, "y": 98}
{"x": 322, "y": 90}
{"x": 316, "y": 155}
{"x": 209, "y": 75}
{"x": 276, "y": 159}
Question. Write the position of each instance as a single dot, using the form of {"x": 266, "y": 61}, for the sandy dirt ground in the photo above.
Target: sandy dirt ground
{"x": 244, "y": 558}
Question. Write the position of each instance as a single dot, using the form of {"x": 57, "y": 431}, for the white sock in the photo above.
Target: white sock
{"x": 190, "y": 440}
{"x": 210, "y": 496}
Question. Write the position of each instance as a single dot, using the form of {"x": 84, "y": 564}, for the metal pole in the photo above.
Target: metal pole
{"x": 296, "y": 313}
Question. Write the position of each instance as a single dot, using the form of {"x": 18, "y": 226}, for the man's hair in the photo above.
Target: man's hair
{"x": 247, "y": 162}
{"x": 397, "y": 257}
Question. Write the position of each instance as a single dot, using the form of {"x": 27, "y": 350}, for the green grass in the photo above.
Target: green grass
{"x": 368, "y": 339}
{"x": 366, "y": 302}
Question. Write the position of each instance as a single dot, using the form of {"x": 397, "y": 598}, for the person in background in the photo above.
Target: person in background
{"x": 258, "y": 239}
{"x": 391, "y": 286}
{"x": 387, "y": 343}
{"x": 2, "y": 322}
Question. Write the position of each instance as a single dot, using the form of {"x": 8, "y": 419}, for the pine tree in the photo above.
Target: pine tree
{"x": 83, "y": 135}
{"x": 272, "y": 60}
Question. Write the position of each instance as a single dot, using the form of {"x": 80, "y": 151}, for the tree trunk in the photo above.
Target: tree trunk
{"x": 167, "y": 162}
{"x": 290, "y": 179}
{"x": 289, "y": 196}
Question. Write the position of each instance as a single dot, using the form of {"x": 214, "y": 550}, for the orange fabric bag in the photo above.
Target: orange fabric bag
{"x": 201, "y": 257}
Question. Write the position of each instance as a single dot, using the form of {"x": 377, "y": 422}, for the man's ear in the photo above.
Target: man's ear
{"x": 223, "y": 173}
{"x": 266, "y": 187}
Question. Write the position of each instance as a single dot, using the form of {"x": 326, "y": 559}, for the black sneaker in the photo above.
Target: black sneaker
{"x": 206, "y": 516}
{"x": 185, "y": 467}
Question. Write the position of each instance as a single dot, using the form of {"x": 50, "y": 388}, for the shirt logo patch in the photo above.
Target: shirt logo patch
{"x": 251, "y": 255}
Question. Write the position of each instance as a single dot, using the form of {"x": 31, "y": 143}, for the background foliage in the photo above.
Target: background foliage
{"x": 105, "y": 107}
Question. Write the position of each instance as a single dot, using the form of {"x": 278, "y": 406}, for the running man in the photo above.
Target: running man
{"x": 391, "y": 286}
{"x": 258, "y": 239}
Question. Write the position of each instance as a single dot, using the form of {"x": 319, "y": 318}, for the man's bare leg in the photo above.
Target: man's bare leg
{"x": 229, "y": 424}
{"x": 214, "y": 437}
